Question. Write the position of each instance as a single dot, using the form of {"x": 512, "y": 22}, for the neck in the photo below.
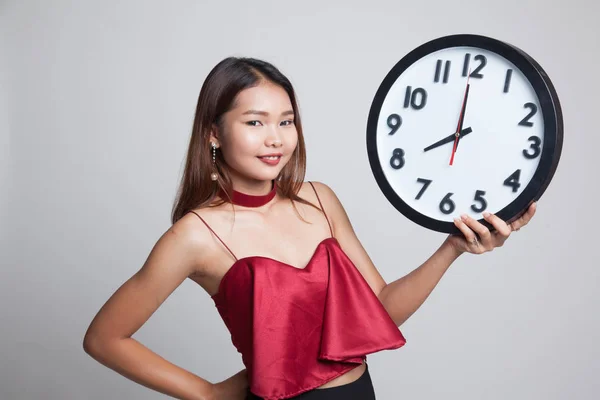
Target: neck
{"x": 251, "y": 200}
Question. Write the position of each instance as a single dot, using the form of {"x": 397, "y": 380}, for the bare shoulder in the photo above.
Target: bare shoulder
{"x": 326, "y": 193}
{"x": 330, "y": 201}
{"x": 194, "y": 236}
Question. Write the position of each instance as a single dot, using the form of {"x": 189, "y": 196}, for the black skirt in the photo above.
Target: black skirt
{"x": 360, "y": 389}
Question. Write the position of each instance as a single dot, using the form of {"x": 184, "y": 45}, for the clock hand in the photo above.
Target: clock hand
{"x": 461, "y": 119}
{"x": 448, "y": 139}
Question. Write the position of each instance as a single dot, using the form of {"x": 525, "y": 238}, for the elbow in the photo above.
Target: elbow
{"x": 381, "y": 295}
{"x": 99, "y": 346}
{"x": 396, "y": 315}
{"x": 96, "y": 345}
{"x": 400, "y": 322}
{"x": 91, "y": 344}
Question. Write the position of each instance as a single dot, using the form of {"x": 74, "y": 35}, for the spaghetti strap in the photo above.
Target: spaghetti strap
{"x": 322, "y": 209}
{"x": 214, "y": 233}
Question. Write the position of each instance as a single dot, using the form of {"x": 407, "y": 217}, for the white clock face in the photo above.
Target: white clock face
{"x": 499, "y": 148}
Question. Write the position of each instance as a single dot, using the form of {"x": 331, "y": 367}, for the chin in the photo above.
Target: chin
{"x": 260, "y": 171}
{"x": 260, "y": 175}
{"x": 267, "y": 177}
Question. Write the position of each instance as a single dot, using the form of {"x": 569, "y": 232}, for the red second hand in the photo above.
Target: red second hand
{"x": 454, "y": 149}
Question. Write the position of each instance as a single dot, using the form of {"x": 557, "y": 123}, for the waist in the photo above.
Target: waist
{"x": 346, "y": 378}
{"x": 355, "y": 384}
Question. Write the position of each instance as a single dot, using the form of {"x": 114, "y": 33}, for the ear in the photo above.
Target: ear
{"x": 214, "y": 135}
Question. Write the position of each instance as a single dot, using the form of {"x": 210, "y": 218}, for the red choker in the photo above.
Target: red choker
{"x": 250, "y": 200}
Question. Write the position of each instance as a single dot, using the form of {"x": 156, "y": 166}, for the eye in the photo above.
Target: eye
{"x": 288, "y": 122}
{"x": 251, "y": 123}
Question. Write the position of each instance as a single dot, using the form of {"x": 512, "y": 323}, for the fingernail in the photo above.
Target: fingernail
{"x": 486, "y": 214}
{"x": 464, "y": 217}
{"x": 456, "y": 220}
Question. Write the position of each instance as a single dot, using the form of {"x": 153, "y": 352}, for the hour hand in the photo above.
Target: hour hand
{"x": 448, "y": 139}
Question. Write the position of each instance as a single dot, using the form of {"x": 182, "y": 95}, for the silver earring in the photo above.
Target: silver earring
{"x": 214, "y": 176}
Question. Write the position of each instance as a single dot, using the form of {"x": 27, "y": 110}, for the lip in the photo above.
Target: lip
{"x": 271, "y": 155}
{"x": 271, "y": 162}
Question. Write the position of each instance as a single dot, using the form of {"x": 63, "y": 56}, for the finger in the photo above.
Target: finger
{"x": 501, "y": 226}
{"x": 529, "y": 213}
{"x": 466, "y": 231}
{"x": 482, "y": 230}
{"x": 525, "y": 218}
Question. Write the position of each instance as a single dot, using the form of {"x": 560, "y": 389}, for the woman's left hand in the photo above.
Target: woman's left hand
{"x": 487, "y": 241}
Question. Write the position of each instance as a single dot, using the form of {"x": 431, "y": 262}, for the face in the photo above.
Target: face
{"x": 258, "y": 135}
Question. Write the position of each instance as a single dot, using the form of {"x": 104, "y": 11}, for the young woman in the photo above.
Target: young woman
{"x": 278, "y": 256}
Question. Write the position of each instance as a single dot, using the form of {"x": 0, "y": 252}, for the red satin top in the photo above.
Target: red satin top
{"x": 298, "y": 328}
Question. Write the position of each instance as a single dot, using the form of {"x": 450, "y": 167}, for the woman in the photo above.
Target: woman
{"x": 278, "y": 256}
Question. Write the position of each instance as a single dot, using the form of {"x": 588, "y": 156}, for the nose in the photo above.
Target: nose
{"x": 273, "y": 139}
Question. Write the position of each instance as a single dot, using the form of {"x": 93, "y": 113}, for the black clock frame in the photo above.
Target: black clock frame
{"x": 551, "y": 111}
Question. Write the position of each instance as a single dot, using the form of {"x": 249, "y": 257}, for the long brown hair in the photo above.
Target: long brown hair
{"x": 223, "y": 83}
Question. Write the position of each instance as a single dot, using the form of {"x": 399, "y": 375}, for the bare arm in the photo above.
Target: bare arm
{"x": 108, "y": 338}
{"x": 402, "y": 297}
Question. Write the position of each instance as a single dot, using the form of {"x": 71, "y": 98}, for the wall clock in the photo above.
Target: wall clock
{"x": 464, "y": 124}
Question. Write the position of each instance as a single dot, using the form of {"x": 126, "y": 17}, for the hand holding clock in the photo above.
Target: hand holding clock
{"x": 476, "y": 238}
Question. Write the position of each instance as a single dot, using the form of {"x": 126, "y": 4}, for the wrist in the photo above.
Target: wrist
{"x": 448, "y": 246}
{"x": 210, "y": 392}
{"x": 234, "y": 387}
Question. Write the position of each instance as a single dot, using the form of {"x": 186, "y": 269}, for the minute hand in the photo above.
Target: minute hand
{"x": 448, "y": 139}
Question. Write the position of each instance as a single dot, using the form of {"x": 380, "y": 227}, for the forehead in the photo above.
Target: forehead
{"x": 266, "y": 97}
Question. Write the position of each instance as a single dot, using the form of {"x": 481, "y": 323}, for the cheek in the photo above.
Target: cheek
{"x": 239, "y": 145}
{"x": 244, "y": 141}
{"x": 248, "y": 143}
{"x": 291, "y": 140}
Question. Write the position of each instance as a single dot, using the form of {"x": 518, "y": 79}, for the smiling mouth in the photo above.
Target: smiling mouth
{"x": 270, "y": 157}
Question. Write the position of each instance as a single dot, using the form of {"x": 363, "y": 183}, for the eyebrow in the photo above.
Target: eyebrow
{"x": 266, "y": 114}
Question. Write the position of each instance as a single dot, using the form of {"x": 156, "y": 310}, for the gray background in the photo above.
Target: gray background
{"x": 96, "y": 105}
